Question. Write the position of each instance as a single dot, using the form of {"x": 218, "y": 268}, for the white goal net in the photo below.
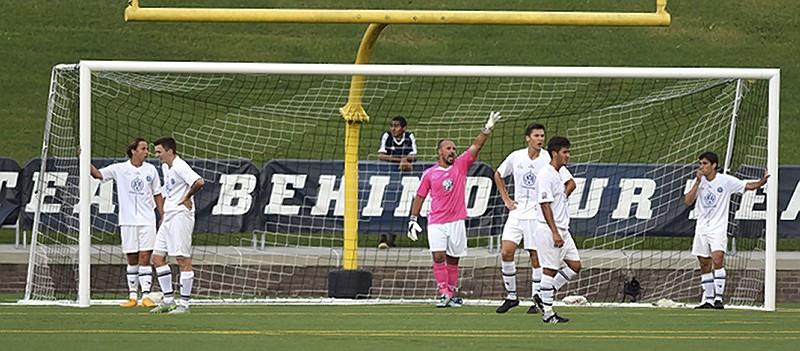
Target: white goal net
{"x": 269, "y": 141}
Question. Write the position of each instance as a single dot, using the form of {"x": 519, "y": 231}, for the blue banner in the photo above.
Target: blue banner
{"x": 302, "y": 196}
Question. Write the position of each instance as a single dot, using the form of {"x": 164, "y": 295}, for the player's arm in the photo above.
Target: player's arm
{"x": 92, "y": 169}
{"x": 692, "y": 194}
{"x": 385, "y": 157}
{"x": 413, "y": 226}
{"x": 757, "y": 184}
{"x": 159, "y": 199}
{"x": 501, "y": 188}
{"x": 412, "y": 156}
{"x": 547, "y": 212}
{"x": 476, "y": 146}
{"x": 196, "y": 186}
{"x": 95, "y": 172}
{"x": 569, "y": 186}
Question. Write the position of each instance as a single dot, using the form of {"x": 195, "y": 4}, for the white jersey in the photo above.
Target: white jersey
{"x": 177, "y": 181}
{"x": 551, "y": 189}
{"x": 713, "y": 203}
{"x": 525, "y": 172}
{"x": 136, "y": 187}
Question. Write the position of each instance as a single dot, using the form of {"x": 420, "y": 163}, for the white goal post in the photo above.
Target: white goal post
{"x": 519, "y": 78}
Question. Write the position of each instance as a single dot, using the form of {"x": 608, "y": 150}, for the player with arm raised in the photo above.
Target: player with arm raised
{"x": 523, "y": 164}
{"x": 447, "y": 233}
{"x": 138, "y": 194}
{"x": 174, "y": 237}
{"x": 553, "y": 240}
{"x": 710, "y": 235}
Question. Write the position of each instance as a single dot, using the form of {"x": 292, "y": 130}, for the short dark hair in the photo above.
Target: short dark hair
{"x": 401, "y": 120}
{"x": 557, "y": 143}
{"x": 439, "y": 144}
{"x": 132, "y": 145}
{"x": 710, "y": 156}
{"x": 533, "y": 126}
{"x": 168, "y": 143}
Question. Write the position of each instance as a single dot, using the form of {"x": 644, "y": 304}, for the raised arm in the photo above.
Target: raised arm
{"x": 692, "y": 194}
{"x": 476, "y": 146}
{"x": 757, "y": 184}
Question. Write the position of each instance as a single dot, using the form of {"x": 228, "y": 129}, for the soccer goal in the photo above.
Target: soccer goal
{"x": 269, "y": 141}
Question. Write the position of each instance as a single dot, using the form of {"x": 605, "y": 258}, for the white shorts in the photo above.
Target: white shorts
{"x": 175, "y": 235}
{"x": 136, "y": 238}
{"x": 450, "y": 237}
{"x": 705, "y": 244}
{"x": 550, "y": 256}
{"x": 517, "y": 230}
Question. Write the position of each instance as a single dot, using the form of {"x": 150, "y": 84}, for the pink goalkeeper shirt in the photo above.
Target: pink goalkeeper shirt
{"x": 447, "y": 186}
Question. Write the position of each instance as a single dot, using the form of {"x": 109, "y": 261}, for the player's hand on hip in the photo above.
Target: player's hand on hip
{"x": 413, "y": 228}
{"x": 187, "y": 203}
{"x": 493, "y": 118}
{"x": 511, "y": 205}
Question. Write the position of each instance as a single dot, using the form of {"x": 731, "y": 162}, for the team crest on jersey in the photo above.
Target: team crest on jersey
{"x": 710, "y": 199}
{"x": 529, "y": 180}
{"x": 447, "y": 184}
{"x": 137, "y": 184}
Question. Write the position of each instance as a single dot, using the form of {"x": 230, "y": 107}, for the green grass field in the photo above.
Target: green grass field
{"x": 37, "y": 34}
{"x": 395, "y": 327}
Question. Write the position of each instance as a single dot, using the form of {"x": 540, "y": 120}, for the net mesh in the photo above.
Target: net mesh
{"x": 270, "y": 148}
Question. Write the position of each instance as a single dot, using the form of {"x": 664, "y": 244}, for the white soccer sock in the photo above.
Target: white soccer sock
{"x": 536, "y": 278}
{"x": 509, "y": 270}
{"x": 547, "y": 295}
{"x": 564, "y": 276}
{"x": 146, "y": 280}
{"x": 719, "y": 283}
{"x": 707, "y": 282}
{"x": 187, "y": 278}
{"x": 165, "y": 281}
{"x": 133, "y": 281}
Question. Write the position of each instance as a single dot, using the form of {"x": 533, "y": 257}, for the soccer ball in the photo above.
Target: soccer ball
{"x": 157, "y": 296}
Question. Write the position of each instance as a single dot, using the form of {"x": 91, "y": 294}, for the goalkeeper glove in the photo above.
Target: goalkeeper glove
{"x": 493, "y": 118}
{"x": 413, "y": 228}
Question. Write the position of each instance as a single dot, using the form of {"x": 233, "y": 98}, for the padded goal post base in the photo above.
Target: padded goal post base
{"x": 349, "y": 284}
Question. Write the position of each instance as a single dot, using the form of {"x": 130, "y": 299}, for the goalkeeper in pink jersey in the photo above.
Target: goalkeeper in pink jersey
{"x": 447, "y": 233}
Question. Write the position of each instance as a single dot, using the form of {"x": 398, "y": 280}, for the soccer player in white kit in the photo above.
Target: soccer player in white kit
{"x": 553, "y": 240}
{"x": 447, "y": 233}
{"x": 523, "y": 164}
{"x": 174, "y": 237}
{"x": 710, "y": 234}
{"x": 138, "y": 194}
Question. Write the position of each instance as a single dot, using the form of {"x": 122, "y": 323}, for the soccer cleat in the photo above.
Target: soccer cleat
{"x": 507, "y": 305}
{"x": 718, "y": 305}
{"x": 705, "y": 306}
{"x": 179, "y": 310}
{"x": 129, "y": 303}
{"x": 147, "y": 302}
{"x": 534, "y": 310}
{"x": 455, "y": 302}
{"x": 383, "y": 246}
{"x": 537, "y": 301}
{"x": 443, "y": 301}
{"x": 555, "y": 319}
{"x": 164, "y": 307}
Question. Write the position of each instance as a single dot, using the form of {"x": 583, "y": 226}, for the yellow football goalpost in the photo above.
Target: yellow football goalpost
{"x": 353, "y": 113}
